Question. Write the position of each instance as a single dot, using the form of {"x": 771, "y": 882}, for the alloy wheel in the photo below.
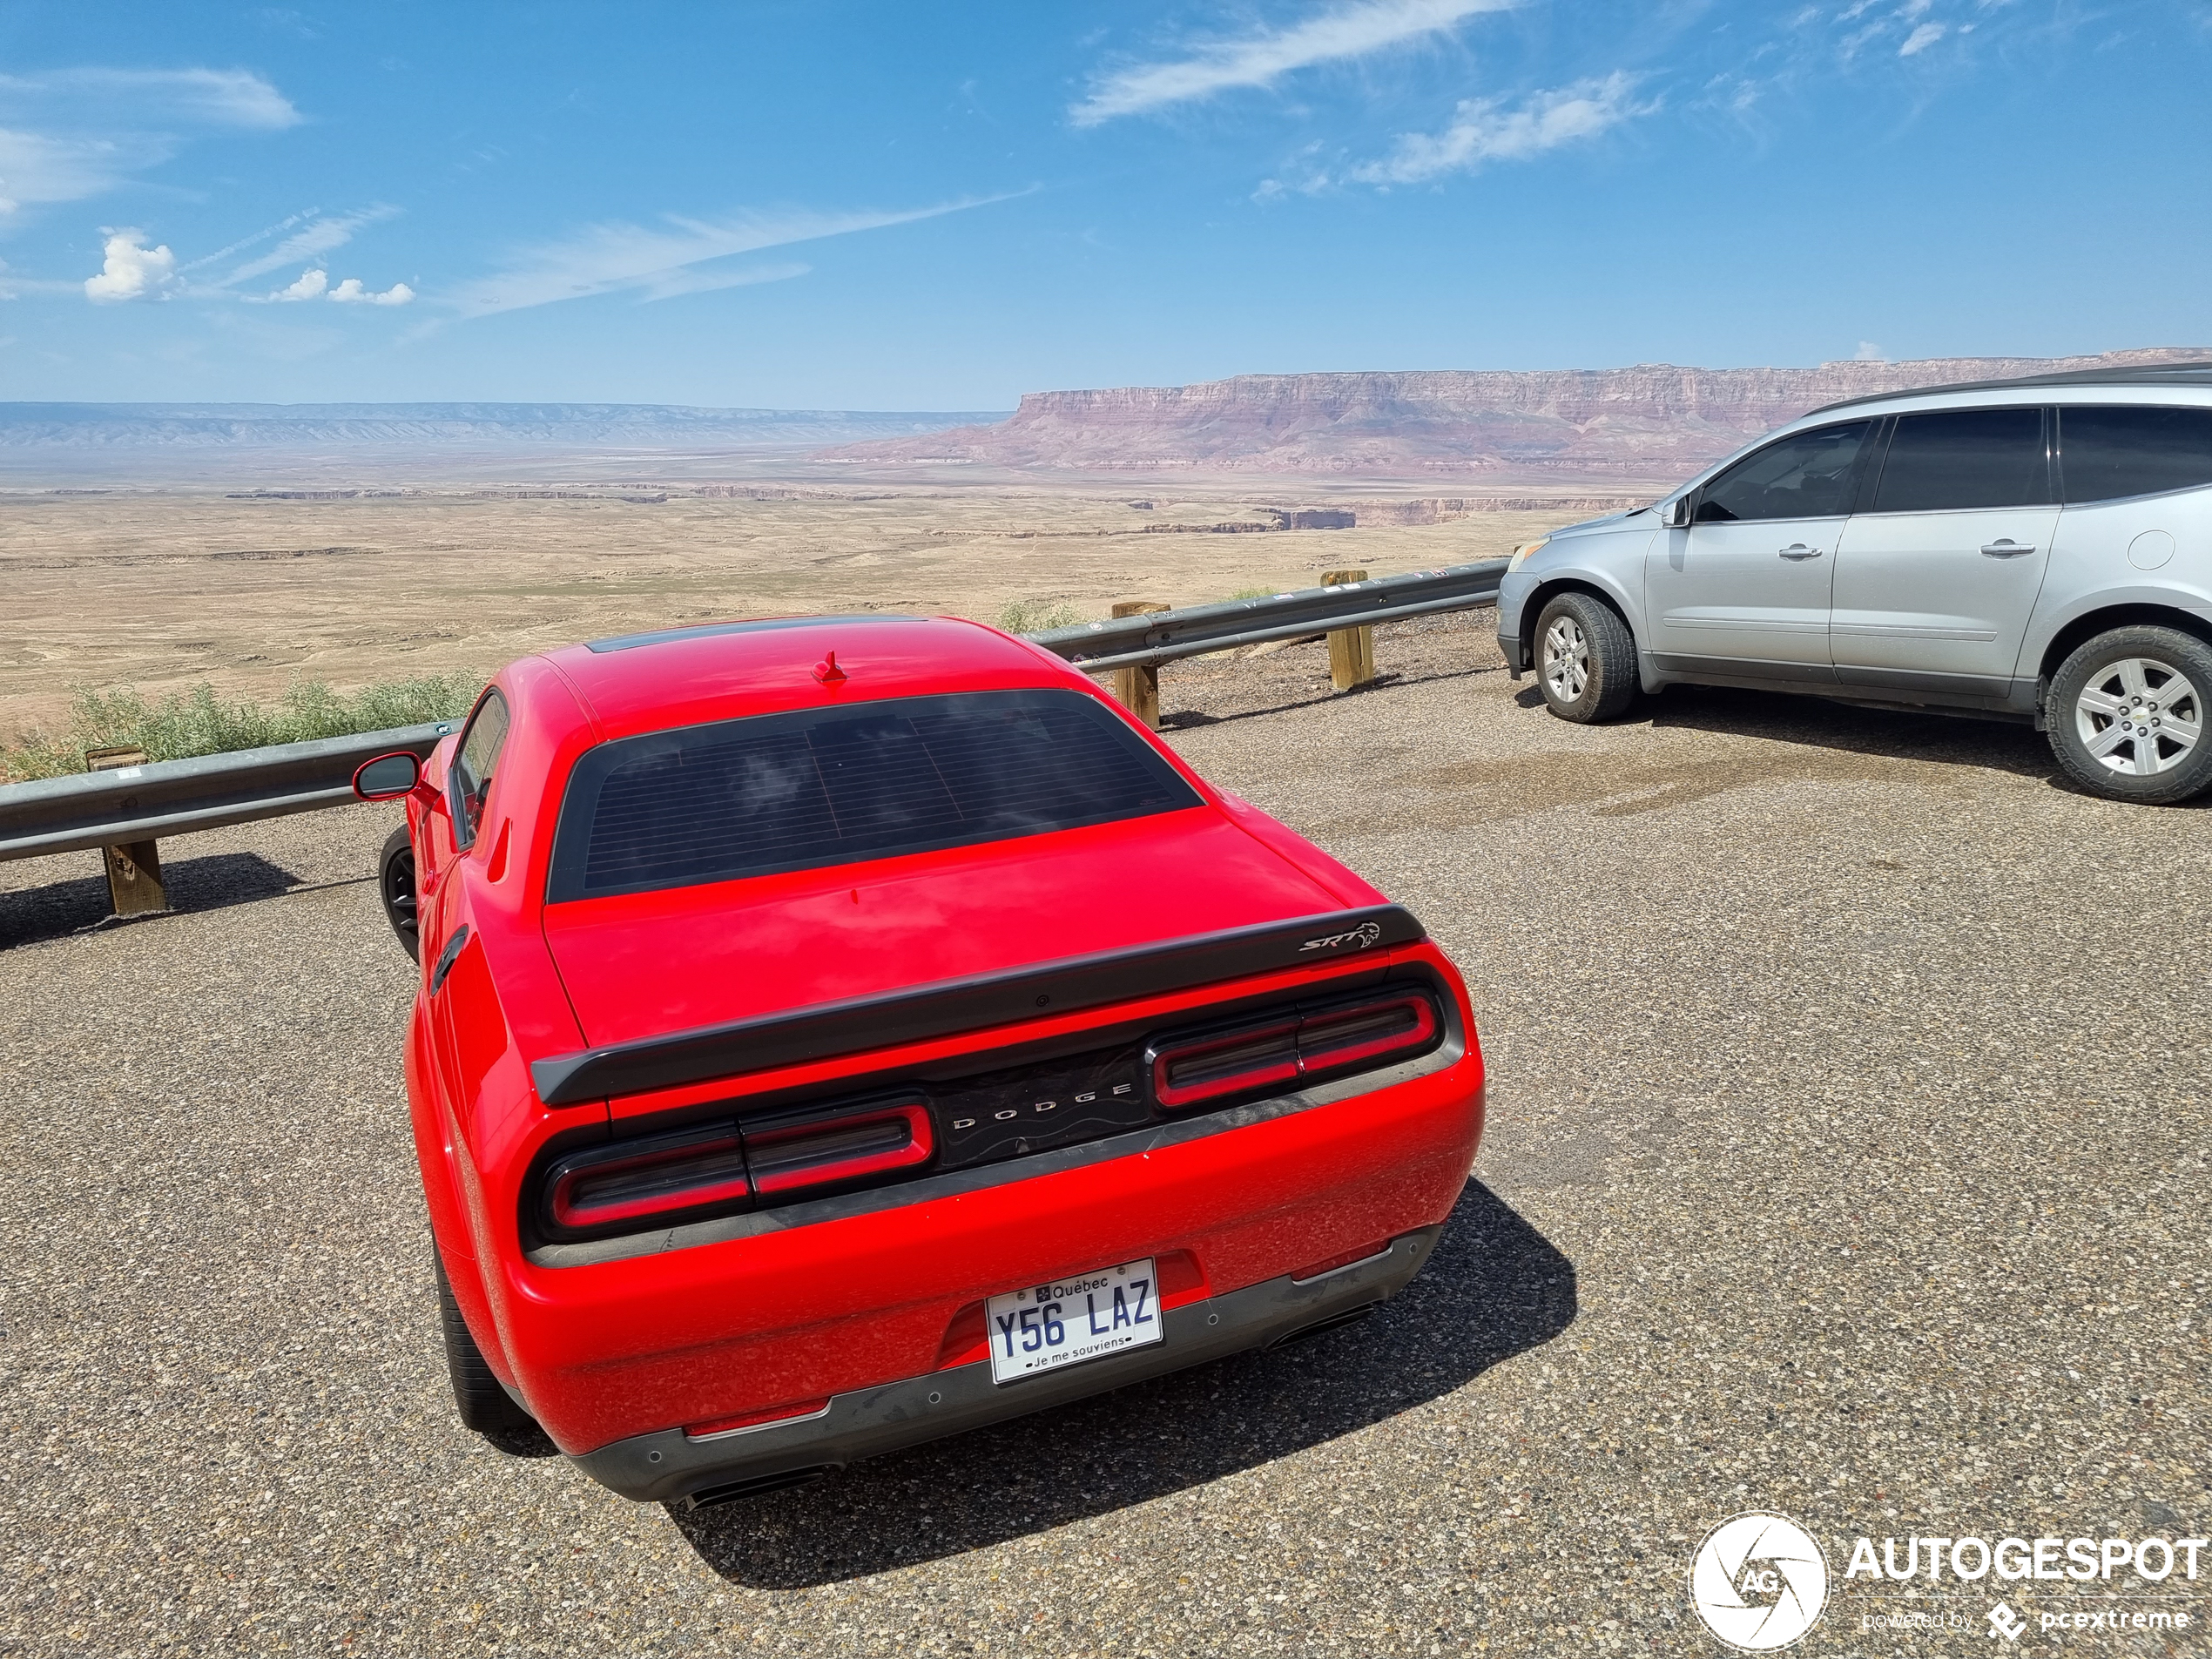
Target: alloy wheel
{"x": 1566, "y": 659}
{"x": 2139, "y": 716}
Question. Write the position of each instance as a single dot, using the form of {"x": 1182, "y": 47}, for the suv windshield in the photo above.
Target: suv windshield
{"x": 824, "y": 786}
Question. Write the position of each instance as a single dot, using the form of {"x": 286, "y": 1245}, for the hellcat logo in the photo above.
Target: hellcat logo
{"x": 1358, "y": 938}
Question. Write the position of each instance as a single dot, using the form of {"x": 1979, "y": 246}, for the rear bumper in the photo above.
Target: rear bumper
{"x": 867, "y": 1422}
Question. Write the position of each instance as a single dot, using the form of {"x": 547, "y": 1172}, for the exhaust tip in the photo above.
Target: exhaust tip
{"x": 714, "y": 1497}
{"x": 1322, "y": 1327}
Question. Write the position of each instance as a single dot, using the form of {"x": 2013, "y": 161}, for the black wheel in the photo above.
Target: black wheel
{"x": 2127, "y": 715}
{"x": 1586, "y": 658}
{"x": 485, "y": 1406}
{"x": 395, "y": 884}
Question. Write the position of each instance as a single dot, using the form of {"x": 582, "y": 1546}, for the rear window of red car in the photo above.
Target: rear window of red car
{"x": 823, "y": 786}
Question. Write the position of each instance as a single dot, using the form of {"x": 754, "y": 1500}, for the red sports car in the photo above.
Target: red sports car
{"x": 839, "y": 1032}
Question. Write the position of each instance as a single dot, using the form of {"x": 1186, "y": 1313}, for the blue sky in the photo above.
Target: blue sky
{"x": 829, "y": 204}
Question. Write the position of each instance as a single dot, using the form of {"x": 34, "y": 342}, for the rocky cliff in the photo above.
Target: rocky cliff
{"x": 1649, "y": 424}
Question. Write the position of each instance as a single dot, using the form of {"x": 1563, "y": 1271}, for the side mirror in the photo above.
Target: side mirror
{"x": 1675, "y": 514}
{"x": 387, "y": 777}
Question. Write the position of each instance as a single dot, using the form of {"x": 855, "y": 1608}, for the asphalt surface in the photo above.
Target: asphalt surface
{"x": 1847, "y": 1158}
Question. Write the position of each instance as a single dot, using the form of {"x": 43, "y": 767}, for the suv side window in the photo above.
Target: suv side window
{"x": 473, "y": 764}
{"x": 2106, "y": 452}
{"x": 1954, "y": 459}
{"x": 1807, "y": 475}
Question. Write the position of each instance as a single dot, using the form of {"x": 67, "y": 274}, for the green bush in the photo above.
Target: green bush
{"x": 199, "y": 722}
{"x": 1035, "y": 615}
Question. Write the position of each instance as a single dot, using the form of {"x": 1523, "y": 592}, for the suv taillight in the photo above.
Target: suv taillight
{"x": 1311, "y": 1043}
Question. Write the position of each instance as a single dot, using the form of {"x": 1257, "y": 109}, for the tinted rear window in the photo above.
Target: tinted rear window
{"x": 2107, "y": 454}
{"x": 823, "y": 786}
{"x": 1965, "y": 458}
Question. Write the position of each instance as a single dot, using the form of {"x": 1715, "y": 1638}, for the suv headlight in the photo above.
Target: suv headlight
{"x": 1520, "y": 554}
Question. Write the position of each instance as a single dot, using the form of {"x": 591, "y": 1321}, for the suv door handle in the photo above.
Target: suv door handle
{"x": 2006, "y": 548}
{"x": 1799, "y": 550}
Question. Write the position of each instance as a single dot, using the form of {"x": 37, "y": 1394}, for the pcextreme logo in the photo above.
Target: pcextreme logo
{"x": 1758, "y": 1582}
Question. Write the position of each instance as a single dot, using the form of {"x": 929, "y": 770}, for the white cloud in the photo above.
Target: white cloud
{"x": 46, "y": 168}
{"x": 132, "y": 271}
{"x": 70, "y": 134}
{"x": 314, "y": 284}
{"x": 142, "y": 98}
{"x": 350, "y": 292}
{"x": 310, "y": 286}
{"x": 1868, "y": 351}
{"x": 1344, "y": 31}
{"x": 1920, "y": 39}
{"x": 670, "y": 284}
{"x": 1483, "y": 131}
{"x": 607, "y": 259}
{"x": 320, "y": 236}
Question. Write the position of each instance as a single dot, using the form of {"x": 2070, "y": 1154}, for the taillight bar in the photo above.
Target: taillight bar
{"x": 849, "y": 1146}
{"x": 719, "y": 1169}
{"x": 613, "y": 1187}
{"x": 1314, "y": 1042}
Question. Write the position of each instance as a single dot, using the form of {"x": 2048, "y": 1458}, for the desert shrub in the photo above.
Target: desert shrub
{"x": 1035, "y": 615}
{"x": 201, "y": 722}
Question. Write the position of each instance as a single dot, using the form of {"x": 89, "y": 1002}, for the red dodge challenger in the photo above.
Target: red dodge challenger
{"x": 839, "y": 1032}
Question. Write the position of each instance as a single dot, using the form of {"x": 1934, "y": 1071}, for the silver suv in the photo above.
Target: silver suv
{"x": 2038, "y": 550}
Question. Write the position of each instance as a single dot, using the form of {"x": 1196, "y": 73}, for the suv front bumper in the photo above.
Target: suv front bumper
{"x": 670, "y": 1464}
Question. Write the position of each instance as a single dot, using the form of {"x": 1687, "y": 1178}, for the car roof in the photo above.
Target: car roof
{"x": 672, "y": 676}
{"x": 2149, "y": 376}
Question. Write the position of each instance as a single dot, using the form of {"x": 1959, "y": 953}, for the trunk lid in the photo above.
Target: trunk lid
{"x": 645, "y": 965}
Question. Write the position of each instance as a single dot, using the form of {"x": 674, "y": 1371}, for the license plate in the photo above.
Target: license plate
{"x": 1042, "y": 1327}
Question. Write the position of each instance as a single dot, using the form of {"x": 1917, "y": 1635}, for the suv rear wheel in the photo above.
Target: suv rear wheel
{"x": 2127, "y": 715}
{"x": 1586, "y": 658}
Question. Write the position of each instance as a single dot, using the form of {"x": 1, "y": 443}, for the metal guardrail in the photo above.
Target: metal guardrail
{"x": 133, "y": 805}
{"x": 1164, "y": 636}
{"x": 137, "y": 804}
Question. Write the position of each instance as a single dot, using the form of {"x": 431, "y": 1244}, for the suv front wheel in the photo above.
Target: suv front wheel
{"x": 2126, "y": 715}
{"x": 1586, "y": 658}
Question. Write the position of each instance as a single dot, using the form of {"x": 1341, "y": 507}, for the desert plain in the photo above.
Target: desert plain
{"x": 159, "y": 588}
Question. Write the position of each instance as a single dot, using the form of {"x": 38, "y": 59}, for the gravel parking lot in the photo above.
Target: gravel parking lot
{"x": 1847, "y": 1158}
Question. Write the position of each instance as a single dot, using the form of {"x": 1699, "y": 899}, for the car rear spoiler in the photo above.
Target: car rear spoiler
{"x": 971, "y": 1004}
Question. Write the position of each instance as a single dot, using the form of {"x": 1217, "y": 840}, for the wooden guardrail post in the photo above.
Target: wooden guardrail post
{"x": 1351, "y": 650}
{"x": 1138, "y": 689}
{"x": 134, "y": 885}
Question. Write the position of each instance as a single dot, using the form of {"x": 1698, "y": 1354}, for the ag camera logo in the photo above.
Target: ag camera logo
{"x": 1758, "y": 1582}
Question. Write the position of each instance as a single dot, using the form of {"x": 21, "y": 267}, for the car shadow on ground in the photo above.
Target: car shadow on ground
{"x": 29, "y": 915}
{"x": 1494, "y": 1288}
{"x": 1898, "y": 734}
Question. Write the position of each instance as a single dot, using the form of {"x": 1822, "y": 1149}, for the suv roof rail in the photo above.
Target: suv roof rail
{"x": 2196, "y": 374}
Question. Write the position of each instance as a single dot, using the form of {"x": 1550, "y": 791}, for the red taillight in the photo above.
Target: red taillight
{"x": 1342, "y": 1037}
{"x": 657, "y": 1179}
{"x": 1189, "y": 1073}
{"x": 846, "y": 1146}
{"x": 1365, "y": 1033}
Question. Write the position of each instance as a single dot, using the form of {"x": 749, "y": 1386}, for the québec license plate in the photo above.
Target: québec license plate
{"x": 1042, "y": 1327}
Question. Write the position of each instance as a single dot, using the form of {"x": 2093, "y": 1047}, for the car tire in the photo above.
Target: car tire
{"x": 485, "y": 1406}
{"x": 395, "y": 886}
{"x": 1585, "y": 659}
{"x": 2129, "y": 715}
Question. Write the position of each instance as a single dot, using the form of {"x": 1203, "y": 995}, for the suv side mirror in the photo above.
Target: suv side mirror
{"x": 387, "y": 777}
{"x": 1675, "y": 514}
